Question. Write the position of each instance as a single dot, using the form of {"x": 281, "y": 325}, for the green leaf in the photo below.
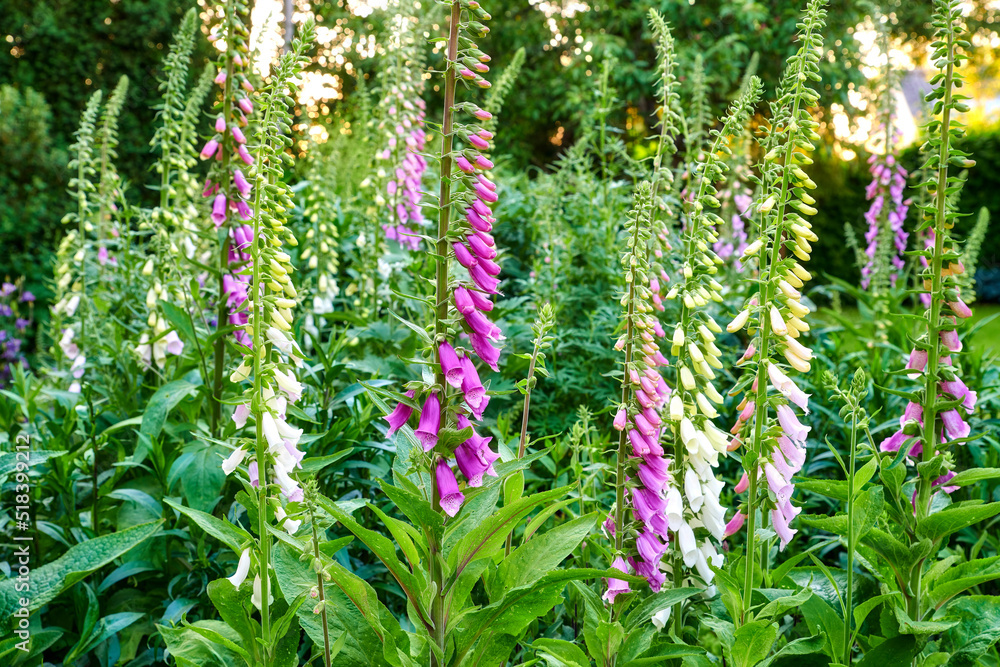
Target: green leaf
{"x": 779, "y": 605}
{"x": 313, "y": 465}
{"x": 561, "y": 653}
{"x": 752, "y": 642}
{"x": 800, "y": 646}
{"x": 230, "y": 602}
{"x": 973, "y": 475}
{"x": 532, "y": 560}
{"x": 653, "y": 604}
{"x": 161, "y": 403}
{"x": 9, "y": 460}
{"x": 179, "y": 318}
{"x": 977, "y": 630}
{"x": 385, "y": 551}
{"x": 823, "y": 620}
{"x": 229, "y": 534}
{"x": 955, "y": 518}
{"x": 79, "y": 561}
{"x": 907, "y": 626}
{"x": 962, "y": 577}
{"x": 203, "y": 480}
{"x": 484, "y": 539}
{"x": 893, "y": 652}
{"x": 831, "y": 488}
{"x": 213, "y": 635}
{"x": 415, "y": 508}
{"x": 862, "y": 610}
{"x": 863, "y": 475}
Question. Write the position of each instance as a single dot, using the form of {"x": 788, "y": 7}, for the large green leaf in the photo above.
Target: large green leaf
{"x": 962, "y": 577}
{"x": 383, "y": 549}
{"x": 353, "y": 609}
{"x": 161, "y": 403}
{"x": 752, "y": 642}
{"x": 974, "y": 475}
{"x": 533, "y": 559}
{"x": 653, "y": 604}
{"x": 954, "y": 518}
{"x": 79, "y": 561}
{"x": 203, "y": 480}
{"x": 978, "y": 629}
{"x": 191, "y": 649}
{"x": 800, "y": 646}
{"x": 893, "y": 652}
{"x": 561, "y": 653}
{"x": 867, "y": 508}
{"x": 484, "y": 540}
{"x": 229, "y": 534}
{"x": 231, "y": 602}
{"x": 9, "y": 460}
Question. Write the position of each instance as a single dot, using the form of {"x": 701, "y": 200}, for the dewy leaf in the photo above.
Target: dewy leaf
{"x": 10, "y": 460}
{"x": 974, "y": 475}
{"x": 831, "y": 488}
{"x": 564, "y": 652}
{"x": 752, "y": 642}
{"x": 954, "y": 519}
{"x": 977, "y": 630}
{"x": 907, "y": 626}
{"x": 80, "y": 560}
{"x": 962, "y": 577}
{"x": 651, "y": 605}
{"x": 190, "y": 649}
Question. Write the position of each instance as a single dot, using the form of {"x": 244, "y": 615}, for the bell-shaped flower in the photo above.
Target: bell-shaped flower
{"x": 430, "y": 422}
{"x": 242, "y": 569}
{"x": 233, "y": 460}
{"x": 450, "y": 365}
{"x": 449, "y": 496}
{"x": 616, "y": 586}
{"x": 400, "y": 414}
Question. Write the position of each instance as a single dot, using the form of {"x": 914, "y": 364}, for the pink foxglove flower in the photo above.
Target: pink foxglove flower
{"x": 430, "y": 422}
{"x": 449, "y": 496}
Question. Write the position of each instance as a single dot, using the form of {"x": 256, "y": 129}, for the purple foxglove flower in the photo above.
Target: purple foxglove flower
{"x": 646, "y": 503}
{"x": 480, "y": 247}
{"x": 220, "y": 78}
{"x": 951, "y": 340}
{"x": 449, "y": 496}
{"x": 958, "y": 389}
{"x": 245, "y": 104}
{"x": 220, "y": 124}
{"x": 489, "y": 184}
{"x": 463, "y": 300}
{"x": 27, "y": 297}
{"x": 483, "y": 163}
{"x": 743, "y": 484}
{"x": 242, "y": 184}
{"x": 778, "y": 484}
{"x": 464, "y": 257}
{"x": 254, "y": 476}
{"x": 485, "y": 350}
{"x": 652, "y": 417}
{"x": 640, "y": 446}
{"x": 210, "y": 148}
{"x": 219, "y": 210}
{"x": 450, "y": 365}
{"x": 430, "y": 422}
{"x": 954, "y": 426}
{"x": 485, "y": 193}
{"x": 475, "y": 394}
{"x": 244, "y": 154}
{"x": 477, "y": 221}
{"x": 464, "y": 164}
{"x": 483, "y": 114}
{"x": 481, "y": 208}
{"x": 643, "y": 425}
{"x": 960, "y": 309}
{"x": 471, "y": 465}
{"x": 616, "y": 586}
{"x": 621, "y": 418}
{"x": 793, "y": 454}
{"x": 653, "y": 574}
{"x": 652, "y": 475}
{"x": 894, "y": 442}
{"x": 484, "y": 280}
{"x": 482, "y": 326}
{"x": 735, "y": 524}
{"x": 478, "y": 142}
{"x": 791, "y": 425}
{"x": 400, "y": 415}
{"x": 650, "y": 547}
{"x": 243, "y": 209}
{"x": 238, "y": 136}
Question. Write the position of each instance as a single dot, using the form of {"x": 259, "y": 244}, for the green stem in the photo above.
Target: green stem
{"x": 524, "y": 429}
{"x": 322, "y": 593}
{"x": 851, "y": 543}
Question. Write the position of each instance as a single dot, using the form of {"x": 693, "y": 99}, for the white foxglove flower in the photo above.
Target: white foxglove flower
{"x": 242, "y": 569}
{"x": 234, "y": 459}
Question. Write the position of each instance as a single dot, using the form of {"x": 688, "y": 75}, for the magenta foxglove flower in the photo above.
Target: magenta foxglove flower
{"x": 452, "y": 368}
{"x": 219, "y": 210}
{"x": 449, "y": 496}
{"x": 209, "y": 149}
{"x": 400, "y": 415}
{"x": 735, "y": 524}
{"x": 616, "y": 586}
{"x": 430, "y": 422}
{"x": 475, "y": 394}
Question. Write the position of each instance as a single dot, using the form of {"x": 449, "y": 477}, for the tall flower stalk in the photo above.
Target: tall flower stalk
{"x": 461, "y": 300}
{"x": 935, "y": 416}
{"x": 227, "y": 186}
{"x": 270, "y": 363}
{"x": 774, "y": 445}
{"x": 641, "y": 469}
{"x": 693, "y": 504}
